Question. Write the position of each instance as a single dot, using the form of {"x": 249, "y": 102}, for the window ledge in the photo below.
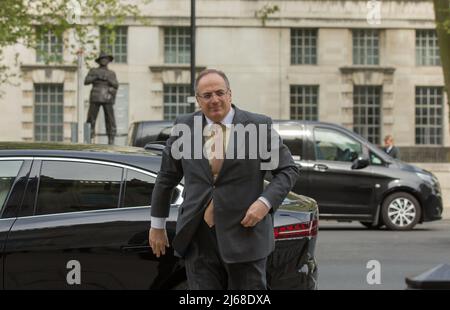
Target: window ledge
{"x": 168, "y": 67}
{"x": 366, "y": 68}
{"x": 31, "y": 67}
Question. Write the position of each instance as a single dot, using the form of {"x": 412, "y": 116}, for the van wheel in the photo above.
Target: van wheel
{"x": 370, "y": 225}
{"x": 400, "y": 211}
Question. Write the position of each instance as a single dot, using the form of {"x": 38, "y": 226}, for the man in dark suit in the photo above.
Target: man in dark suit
{"x": 225, "y": 225}
{"x": 390, "y": 148}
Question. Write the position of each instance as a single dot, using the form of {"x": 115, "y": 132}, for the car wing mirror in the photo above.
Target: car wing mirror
{"x": 353, "y": 156}
{"x": 360, "y": 163}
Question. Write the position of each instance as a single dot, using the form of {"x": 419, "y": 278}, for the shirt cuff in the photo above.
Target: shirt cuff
{"x": 158, "y": 222}
{"x": 266, "y": 202}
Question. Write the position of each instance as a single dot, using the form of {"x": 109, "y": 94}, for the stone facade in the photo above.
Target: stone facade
{"x": 257, "y": 60}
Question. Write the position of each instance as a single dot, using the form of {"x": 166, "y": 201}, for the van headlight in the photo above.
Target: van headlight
{"x": 426, "y": 177}
{"x": 431, "y": 180}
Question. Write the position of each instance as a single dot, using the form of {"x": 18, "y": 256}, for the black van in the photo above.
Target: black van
{"x": 350, "y": 178}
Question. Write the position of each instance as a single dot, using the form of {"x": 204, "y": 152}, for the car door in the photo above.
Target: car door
{"x": 13, "y": 180}
{"x": 339, "y": 190}
{"x": 73, "y": 233}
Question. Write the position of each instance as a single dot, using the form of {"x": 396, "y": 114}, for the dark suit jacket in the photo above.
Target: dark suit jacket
{"x": 238, "y": 185}
{"x": 394, "y": 152}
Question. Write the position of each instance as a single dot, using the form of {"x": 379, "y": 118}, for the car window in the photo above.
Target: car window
{"x": 8, "y": 173}
{"x": 139, "y": 189}
{"x": 335, "y": 146}
{"x": 77, "y": 186}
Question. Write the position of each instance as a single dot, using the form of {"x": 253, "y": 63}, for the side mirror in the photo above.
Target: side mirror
{"x": 360, "y": 163}
{"x": 353, "y": 156}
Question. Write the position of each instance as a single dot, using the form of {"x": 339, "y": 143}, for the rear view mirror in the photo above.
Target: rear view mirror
{"x": 360, "y": 163}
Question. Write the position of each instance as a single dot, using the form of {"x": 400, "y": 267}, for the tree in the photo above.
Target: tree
{"x": 22, "y": 22}
{"x": 442, "y": 14}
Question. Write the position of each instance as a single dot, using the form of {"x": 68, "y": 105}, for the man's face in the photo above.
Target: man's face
{"x": 214, "y": 97}
{"x": 388, "y": 142}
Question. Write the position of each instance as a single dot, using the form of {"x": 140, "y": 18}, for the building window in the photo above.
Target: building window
{"x": 48, "y": 112}
{"x": 366, "y": 47}
{"x": 429, "y": 113}
{"x": 303, "y": 46}
{"x": 115, "y": 42}
{"x": 304, "y": 102}
{"x": 366, "y": 112}
{"x": 49, "y": 47}
{"x": 427, "y": 48}
{"x": 177, "y": 45}
{"x": 175, "y": 100}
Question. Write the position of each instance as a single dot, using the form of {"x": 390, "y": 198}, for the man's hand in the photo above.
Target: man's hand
{"x": 157, "y": 238}
{"x": 255, "y": 214}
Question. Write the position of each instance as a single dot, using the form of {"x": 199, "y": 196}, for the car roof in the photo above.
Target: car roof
{"x": 133, "y": 156}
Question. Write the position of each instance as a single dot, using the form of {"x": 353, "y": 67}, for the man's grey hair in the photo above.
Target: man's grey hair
{"x": 211, "y": 71}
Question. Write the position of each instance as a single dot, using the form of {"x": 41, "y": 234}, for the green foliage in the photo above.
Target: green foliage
{"x": 264, "y": 12}
{"x": 20, "y": 20}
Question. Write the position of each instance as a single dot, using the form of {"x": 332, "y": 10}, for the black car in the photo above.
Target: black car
{"x": 77, "y": 216}
{"x": 350, "y": 178}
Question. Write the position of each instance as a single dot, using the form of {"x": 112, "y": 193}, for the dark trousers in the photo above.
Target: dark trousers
{"x": 110, "y": 121}
{"x": 205, "y": 270}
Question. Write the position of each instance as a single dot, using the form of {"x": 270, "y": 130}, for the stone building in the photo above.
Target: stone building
{"x": 376, "y": 72}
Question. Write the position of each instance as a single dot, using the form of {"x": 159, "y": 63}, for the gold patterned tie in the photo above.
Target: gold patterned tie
{"x": 216, "y": 159}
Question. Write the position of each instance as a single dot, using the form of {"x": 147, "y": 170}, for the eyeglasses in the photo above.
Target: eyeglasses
{"x": 219, "y": 94}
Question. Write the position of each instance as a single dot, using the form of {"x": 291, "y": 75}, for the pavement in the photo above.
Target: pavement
{"x": 446, "y": 213}
{"x": 352, "y": 257}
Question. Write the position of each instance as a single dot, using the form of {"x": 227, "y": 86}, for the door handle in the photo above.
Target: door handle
{"x": 320, "y": 167}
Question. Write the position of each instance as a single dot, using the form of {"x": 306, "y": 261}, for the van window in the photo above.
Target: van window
{"x": 157, "y": 132}
{"x": 8, "y": 173}
{"x": 77, "y": 186}
{"x": 335, "y": 146}
{"x": 375, "y": 160}
{"x": 292, "y": 137}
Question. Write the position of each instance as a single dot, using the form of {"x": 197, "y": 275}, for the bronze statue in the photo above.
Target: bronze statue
{"x": 103, "y": 93}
